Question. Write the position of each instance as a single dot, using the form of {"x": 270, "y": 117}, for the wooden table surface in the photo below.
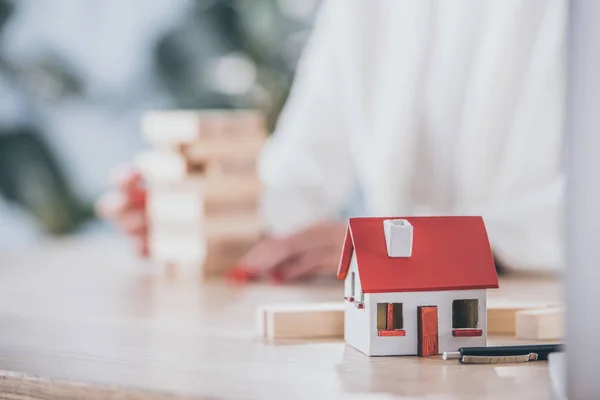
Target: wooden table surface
{"x": 82, "y": 318}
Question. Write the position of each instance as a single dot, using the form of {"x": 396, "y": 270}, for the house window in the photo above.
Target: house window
{"x": 389, "y": 319}
{"x": 352, "y": 284}
{"x": 465, "y": 318}
{"x": 465, "y": 313}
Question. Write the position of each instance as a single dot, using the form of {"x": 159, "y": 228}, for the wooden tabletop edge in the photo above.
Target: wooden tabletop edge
{"x": 31, "y": 387}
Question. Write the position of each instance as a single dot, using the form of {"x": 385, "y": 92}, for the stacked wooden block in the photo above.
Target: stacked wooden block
{"x": 202, "y": 186}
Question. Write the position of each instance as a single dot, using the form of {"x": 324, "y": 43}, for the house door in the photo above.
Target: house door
{"x": 427, "y": 326}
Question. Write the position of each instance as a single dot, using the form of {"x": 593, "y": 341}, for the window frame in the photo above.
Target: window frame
{"x": 393, "y": 321}
{"x": 470, "y": 328}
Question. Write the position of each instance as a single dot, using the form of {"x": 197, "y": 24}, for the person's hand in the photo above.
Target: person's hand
{"x": 125, "y": 204}
{"x": 314, "y": 251}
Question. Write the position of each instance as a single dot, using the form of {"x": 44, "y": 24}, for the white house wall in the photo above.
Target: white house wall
{"x": 358, "y": 327}
{"x": 356, "y": 321}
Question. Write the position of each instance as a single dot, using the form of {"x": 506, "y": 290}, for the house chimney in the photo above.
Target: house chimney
{"x": 398, "y": 237}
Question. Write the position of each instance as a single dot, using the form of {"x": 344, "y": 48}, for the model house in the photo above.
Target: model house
{"x": 416, "y": 286}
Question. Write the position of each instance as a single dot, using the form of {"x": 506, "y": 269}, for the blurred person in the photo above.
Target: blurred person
{"x": 411, "y": 108}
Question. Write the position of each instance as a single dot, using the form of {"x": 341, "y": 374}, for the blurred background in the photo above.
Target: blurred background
{"x": 75, "y": 76}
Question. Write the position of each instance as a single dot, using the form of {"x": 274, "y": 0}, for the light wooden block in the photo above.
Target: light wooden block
{"x": 179, "y": 206}
{"x": 301, "y": 321}
{"x": 216, "y": 150}
{"x": 231, "y": 189}
{"x": 232, "y": 167}
{"x": 236, "y": 167}
{"x": 173, "y": 128}
{"x": 234, "y": 206}
{"x": 163, "y": 167}
{"x": 233, "y": 226}
{"x": 501, "y": 314}
{"x": 541, "y": 324}
{"x": 234, "y": 124}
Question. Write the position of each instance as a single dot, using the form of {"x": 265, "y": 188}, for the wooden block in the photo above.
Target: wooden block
{"x": 232, "y": 189}
{"x": 501, "y": 314}
{"x": 235, "y": 206}
{"x": 301, "y": 321}
{"x": 178, "y": 206}
{"x": 541, "y": 324}
{"x": 234, "y": 167}
{"x": 233, "y": 226}
{"x": 427, "y": 331}
{"x": 234, "y": 124}
{"x": 173, "y": 128}
{"x": 243, "y": 167}
{"x": 221, "y": 150}
{"x": 160, "y": 167}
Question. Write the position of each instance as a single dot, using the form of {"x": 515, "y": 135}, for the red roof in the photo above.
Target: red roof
{"x": 449, "y": 253}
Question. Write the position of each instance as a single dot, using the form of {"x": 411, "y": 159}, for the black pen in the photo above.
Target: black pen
{"x": 502, "y": 354}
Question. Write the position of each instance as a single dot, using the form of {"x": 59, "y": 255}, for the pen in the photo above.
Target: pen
{"x": 502, "y": 354}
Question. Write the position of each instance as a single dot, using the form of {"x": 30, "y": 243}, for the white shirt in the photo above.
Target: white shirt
{"x": 453, "y": 105}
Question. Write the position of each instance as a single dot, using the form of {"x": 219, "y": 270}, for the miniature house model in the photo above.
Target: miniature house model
{"x": 416, "y": 286}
